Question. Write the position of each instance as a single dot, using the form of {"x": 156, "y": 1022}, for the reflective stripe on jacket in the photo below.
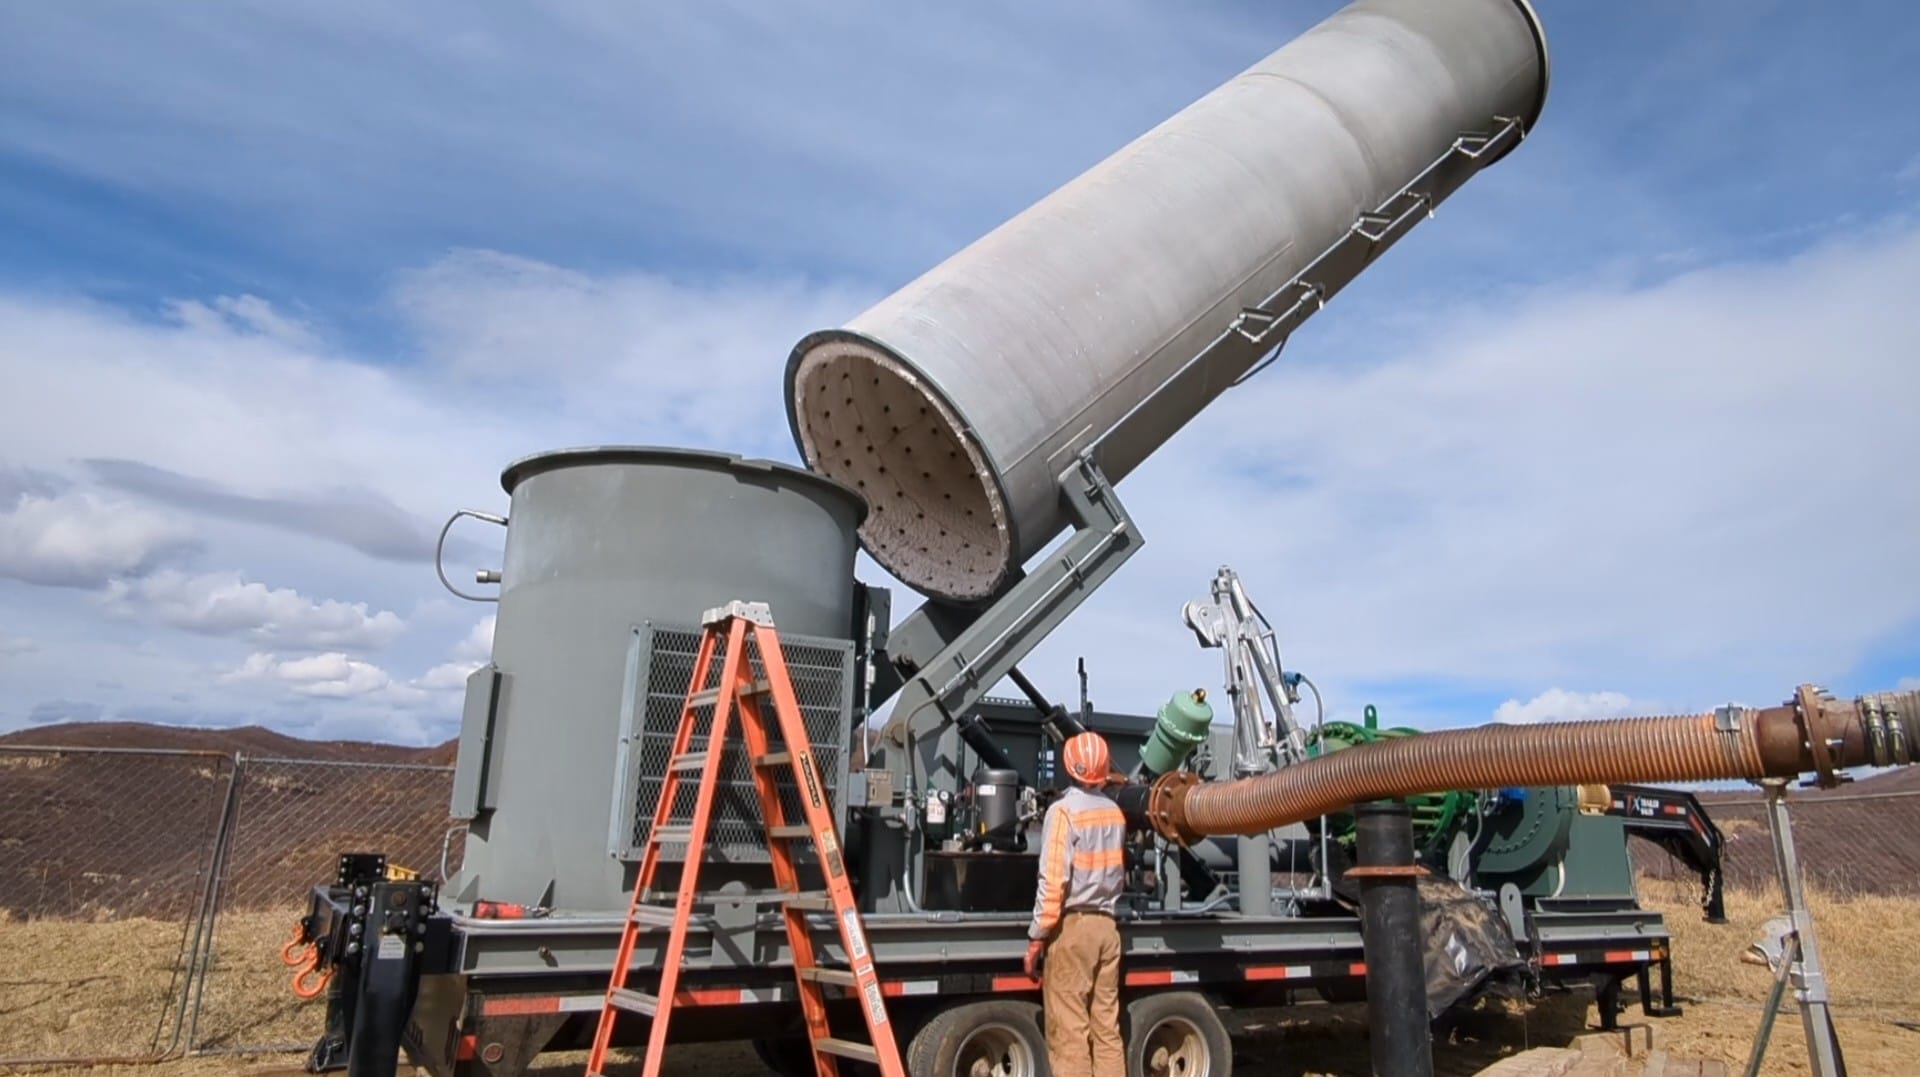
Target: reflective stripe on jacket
{"x": 1082, "y": 862}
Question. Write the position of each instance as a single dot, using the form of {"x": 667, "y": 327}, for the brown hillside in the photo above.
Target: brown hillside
{"x": 1861, "y": 838}
{"x": 252, "y": 740}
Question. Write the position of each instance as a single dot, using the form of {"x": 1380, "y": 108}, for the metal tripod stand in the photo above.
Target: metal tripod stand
{"x": 1799, "y": 961}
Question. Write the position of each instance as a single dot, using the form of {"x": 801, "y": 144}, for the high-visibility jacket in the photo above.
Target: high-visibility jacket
{"x": 1082, "y": 862}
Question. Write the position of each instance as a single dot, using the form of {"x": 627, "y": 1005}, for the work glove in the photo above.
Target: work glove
{"x": 1035, "y": 950}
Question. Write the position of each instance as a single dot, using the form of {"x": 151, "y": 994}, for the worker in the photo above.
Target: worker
{"x": 1082, "y": 873}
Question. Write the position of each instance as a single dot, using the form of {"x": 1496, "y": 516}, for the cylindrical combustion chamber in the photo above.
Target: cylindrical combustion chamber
{"x": 1108, "y": 314}
{"x": 1812, "y": 734}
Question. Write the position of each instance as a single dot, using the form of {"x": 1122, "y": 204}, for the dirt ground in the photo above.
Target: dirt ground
{"x": 67, "y": 987}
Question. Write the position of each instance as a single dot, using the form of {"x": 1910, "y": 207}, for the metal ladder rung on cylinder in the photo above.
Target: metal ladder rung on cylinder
{"x": 737, "y": 695}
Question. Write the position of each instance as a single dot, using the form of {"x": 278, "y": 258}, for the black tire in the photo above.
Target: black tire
{"x": 788, "y": 1056}
{"x": 1000, "y": 1038}
{"x": 1177, "y": 1034}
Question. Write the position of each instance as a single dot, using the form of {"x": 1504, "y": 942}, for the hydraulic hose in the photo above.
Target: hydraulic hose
{"x": 1812, "y": 733}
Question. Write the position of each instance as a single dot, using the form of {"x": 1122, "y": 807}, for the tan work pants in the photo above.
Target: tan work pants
{"x": 1082, "y": 983}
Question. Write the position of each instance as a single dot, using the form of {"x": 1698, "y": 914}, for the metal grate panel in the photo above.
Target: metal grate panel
{"x": 660, "y": 665}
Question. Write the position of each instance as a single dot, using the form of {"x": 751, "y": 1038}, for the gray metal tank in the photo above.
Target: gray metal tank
{"x": 955, "y": 403}
{"x": 599, "y": 542}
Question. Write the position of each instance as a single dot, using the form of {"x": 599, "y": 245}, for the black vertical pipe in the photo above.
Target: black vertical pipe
{"x": 1397, "y": 1031}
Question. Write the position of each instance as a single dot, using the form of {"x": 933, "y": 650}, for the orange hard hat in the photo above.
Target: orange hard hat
{"x": 1086, "y": 758}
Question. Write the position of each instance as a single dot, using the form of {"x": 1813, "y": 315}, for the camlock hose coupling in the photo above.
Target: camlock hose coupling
{"x": 1811, "y": 733}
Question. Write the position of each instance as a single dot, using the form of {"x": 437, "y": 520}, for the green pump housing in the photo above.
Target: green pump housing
{"x": 1537, "y": 839}
{"x": 1435, "y": 815}
{"x": 1180, "y": 727}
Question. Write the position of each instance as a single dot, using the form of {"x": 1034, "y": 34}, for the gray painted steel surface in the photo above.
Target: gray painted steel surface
{"x": 955, "y": 403}
{"x": 600, "y": 541}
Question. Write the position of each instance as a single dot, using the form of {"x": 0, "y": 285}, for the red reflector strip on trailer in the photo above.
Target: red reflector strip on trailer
{"x": 1278, "y": 972}
{"x": 469, "y": 1046}
{"x": 522, "y": 1005}
{"x": 1155, "y": 977}
{"x": 1560, "y": 959}
{"x": 1014, "y": 983}
{"x": 1358, "y": 968}
{"x": 1617, "y": 957}
{"x": 896, "y": 988}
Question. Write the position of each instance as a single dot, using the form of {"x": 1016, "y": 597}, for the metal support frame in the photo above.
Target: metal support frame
{"x": 1665, "y": 1006}
{"x": 1800, "y": 963}
{"x": 948, "y": 657}
{"x": 952, "y": 656}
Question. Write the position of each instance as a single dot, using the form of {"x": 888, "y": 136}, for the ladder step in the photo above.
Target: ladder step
{"x": 676, "y": 834}
{"x": 816, "y": 900}
{"x": 773, "y": 759}
{"x": 634, "y": 1001}
{"x": 859, "y": 1052}
{"x": 742, "y": 897}
{"x": 790, "y": 830}
{"x": 759, "y": 686}
{"x": 653, "y": 915}
{"x": 836, "y": 977}
{"x": 704, "y": 698}
{"x": 689, "y": 763}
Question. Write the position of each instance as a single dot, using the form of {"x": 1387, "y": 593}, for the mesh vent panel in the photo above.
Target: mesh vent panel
{"x": 822, "y": 672}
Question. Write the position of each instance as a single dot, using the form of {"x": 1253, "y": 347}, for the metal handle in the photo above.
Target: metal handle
{"x": 440, "y": 549}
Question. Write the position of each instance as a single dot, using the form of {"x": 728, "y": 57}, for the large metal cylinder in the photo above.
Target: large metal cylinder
{"x": 600, "y": 542}
{"x": 955, "y": 403}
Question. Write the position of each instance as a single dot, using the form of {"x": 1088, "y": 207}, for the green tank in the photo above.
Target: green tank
{"x": 1180, "y": 727}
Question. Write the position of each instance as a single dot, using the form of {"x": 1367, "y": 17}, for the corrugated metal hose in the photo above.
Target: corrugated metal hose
{"x": 1813, "y": 733}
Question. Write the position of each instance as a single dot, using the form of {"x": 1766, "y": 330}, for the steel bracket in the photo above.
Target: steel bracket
{"x": 952, "y": 656}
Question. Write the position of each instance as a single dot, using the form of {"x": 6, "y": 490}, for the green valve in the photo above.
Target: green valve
{"x": 1180, "y": 727}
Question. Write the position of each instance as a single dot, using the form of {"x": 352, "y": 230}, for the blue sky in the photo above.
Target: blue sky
{"x": 1627, "y": 427}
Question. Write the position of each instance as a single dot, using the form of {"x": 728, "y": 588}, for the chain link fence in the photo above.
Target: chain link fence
{"x": 145, "y": 895}
{"x": 293, "y": 819}
{"x": 105, "y": 856}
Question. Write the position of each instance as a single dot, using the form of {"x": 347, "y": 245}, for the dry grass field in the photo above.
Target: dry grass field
{"x": 68, "y": 987}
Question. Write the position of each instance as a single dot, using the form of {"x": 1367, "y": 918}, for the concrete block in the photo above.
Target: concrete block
{"x": 1627, "y": 1041}
{"x": 1539, "y": 1062}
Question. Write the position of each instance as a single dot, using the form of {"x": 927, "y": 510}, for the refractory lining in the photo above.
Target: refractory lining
{"x": 935, "y": 516}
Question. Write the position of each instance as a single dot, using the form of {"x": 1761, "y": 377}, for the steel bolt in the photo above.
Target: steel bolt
{"x": 492, "y": 1053}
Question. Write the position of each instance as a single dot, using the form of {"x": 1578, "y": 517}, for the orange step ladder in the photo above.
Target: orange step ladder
{"x": 706, "y": 716}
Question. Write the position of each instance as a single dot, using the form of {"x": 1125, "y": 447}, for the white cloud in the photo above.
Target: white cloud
{"x": 447, "y": 677}
{"x": 14, "y": 645}
{"x": 1591, "y": 484}
{"x": 477, "y": 647}
{"x": 1560, "y": 705}
{"x": 636, "y": 349}
{"x": 1575, "y": 487}
{"x": 224, "y": 604}
{"x": 333, "y": 675}
{"x": 79, "y": 539}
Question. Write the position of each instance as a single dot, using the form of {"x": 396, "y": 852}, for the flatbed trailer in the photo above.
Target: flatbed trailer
{"x": 493, "y": 994}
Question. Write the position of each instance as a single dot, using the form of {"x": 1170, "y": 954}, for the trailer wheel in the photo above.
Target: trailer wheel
{"x": 1001, "y": 1038}
{"x": 788, "y": 1056}
{"x": 1177, "y": 1034}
